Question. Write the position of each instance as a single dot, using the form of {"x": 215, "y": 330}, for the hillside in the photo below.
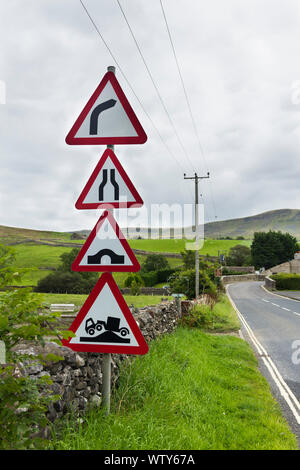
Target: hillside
{"x": 285, "y": 220}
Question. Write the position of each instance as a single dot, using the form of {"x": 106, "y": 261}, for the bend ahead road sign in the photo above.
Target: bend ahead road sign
{"x": 107, "y": 118}
{"x": 105, "y": 323}
{"x": 108, "y": 186}
{"x": 106, "y": 249}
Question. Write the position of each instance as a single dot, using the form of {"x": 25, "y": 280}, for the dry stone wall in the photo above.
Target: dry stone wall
{"x": 78, "y": 377}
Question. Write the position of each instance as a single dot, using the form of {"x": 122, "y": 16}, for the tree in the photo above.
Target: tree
{"x": 239, "y": 255}
{"x": 22, "y": 405}
{"x": 188, "y": 257}
{"x": 271, "y": 248}
{"x": 183, "y": 282}
{"x": 67, "y": 281}
{"x": 155, "y": 262}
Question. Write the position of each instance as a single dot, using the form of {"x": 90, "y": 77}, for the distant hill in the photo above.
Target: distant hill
{"x": 285, "y": 220}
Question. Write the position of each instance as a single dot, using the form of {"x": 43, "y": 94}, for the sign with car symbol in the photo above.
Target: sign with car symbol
{"x": 105, "y": 323}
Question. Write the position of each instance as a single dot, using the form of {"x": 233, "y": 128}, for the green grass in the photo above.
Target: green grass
{"x": 191, "y": 391}
{"x": 210, "y": 246}
{"x": 31, "y": 255}
{"x": 226, "y": 318}
{"x": 79, "y": 299}
{"x": 32, "y": 277}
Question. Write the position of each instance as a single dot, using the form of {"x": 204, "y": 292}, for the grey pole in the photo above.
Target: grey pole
{"x": 197, "y": 239}
{"x": 196, "y": 178}
{"x": 106, "y": 363}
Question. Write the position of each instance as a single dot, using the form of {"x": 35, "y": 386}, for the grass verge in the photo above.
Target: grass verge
{"x": 221, "y": 318}
{"x": 191, "y": 391}
{"x": 138, "y": 301}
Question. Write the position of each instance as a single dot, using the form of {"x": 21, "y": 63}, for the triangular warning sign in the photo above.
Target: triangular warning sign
{"x": 105, "y": 323}
{"x": 107, "y": 118}
{"x": 109, "y": 186}
{"x": 106, "y": 249}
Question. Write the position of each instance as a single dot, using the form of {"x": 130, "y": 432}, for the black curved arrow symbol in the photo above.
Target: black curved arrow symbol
{"x": 95, "y": 115}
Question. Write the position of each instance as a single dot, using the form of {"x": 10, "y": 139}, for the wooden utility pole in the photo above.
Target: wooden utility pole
{"x": 196, "y": 178}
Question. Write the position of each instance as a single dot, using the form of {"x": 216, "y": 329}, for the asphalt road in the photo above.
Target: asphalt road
{"x": 271, "y": 324}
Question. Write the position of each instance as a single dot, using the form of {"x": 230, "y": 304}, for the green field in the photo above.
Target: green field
{"x": 31, "y": 255}
{"x": 78, "y": 300}
{"x": 210, "y": 246}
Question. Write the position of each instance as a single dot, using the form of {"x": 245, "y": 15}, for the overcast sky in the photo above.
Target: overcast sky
{"x": 241, "y": 68}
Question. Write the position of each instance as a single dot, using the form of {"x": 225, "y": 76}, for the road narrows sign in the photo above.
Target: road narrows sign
{"x": 107, "y": 118}
{"x": 108, "y": 186}
{"x": 105, "y": 323}
{"x": 106, "y": 249}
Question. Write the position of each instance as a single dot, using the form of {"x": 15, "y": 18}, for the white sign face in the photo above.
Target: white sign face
{"x": 107, "y": 118}
{"x": 108, "y": 186}
{"x": 106, "y": 249}
{"x": 105, "y": 323}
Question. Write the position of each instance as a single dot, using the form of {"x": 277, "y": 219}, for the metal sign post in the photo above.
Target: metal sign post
{"x": 105, "y": 324}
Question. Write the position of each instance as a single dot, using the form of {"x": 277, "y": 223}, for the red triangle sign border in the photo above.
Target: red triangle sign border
{"x": 142, "y": 347}
{"x": 138, "y": 202}
{"x": 141, "y": 136}
{"x": 109, "y": 267}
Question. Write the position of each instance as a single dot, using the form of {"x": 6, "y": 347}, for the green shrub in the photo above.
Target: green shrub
{"x": 66, "y": 283}
{"x": 184, "y": 282}
{"x": 150, "y": 278}
{"x": 133, "y": 277}
{"x": 200, "y": 316}
{"x": 154, "y": 262}
{"x": 287, "y": 281}
{"x": 22, "y": 405}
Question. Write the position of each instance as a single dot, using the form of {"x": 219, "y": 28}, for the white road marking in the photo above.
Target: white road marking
{"x": 279, "y": 306}
{"x": 284, "y": 389}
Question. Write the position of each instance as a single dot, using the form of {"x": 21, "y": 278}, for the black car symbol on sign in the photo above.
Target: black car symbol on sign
{"x": 111, "y": 324}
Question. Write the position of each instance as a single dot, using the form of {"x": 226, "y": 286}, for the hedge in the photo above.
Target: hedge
{"x": 286, "y": 281}
{"x": 154, "y": 277}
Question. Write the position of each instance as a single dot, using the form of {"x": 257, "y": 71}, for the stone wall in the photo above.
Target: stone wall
{"x": 146, "y": 291}
{"x": 241, "y": 278}
{"x": 240, "y": 269}
{"x": 270, "y": 284}
{"x": 289, "y": 267}
{"x": 78, "y": 377}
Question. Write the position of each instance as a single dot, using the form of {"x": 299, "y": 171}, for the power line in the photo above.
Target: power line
{"x": 128, "y": 83}
{"x": 187, "y": 98}
{"x": 155, "y": 85}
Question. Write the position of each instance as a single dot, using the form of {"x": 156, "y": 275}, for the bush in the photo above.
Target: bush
{"x": 287, "y": 281}
{"x": 66, "y": 283}
{"x": 22, "y": 405}
{"x": 133, "y": 277}
{"x": 184, "y": 282}
{"x": 154, "y": 263}
{"x": 239, "y": 255}
{"x": 150, "y": 279}
{"x": 200, "y": 316}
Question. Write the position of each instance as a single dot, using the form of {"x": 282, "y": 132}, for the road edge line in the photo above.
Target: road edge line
{"x": 278, "y": 295}
{"x": 284, "y": 389}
